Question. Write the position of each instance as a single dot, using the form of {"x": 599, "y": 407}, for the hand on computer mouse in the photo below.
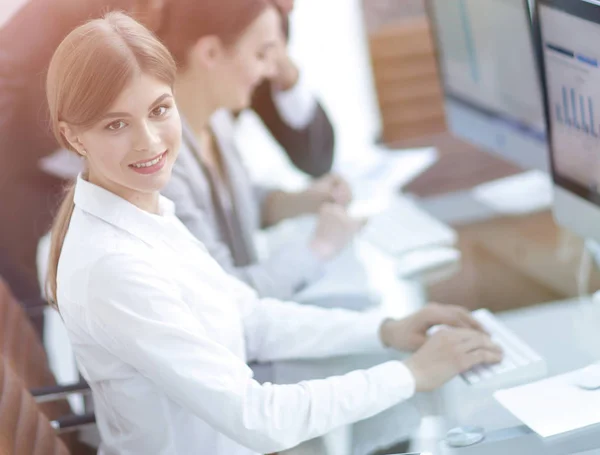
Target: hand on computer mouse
{"x": 335, "y": 229}
{"x": 410, "y": 333}
{"x": 448, "y": 353}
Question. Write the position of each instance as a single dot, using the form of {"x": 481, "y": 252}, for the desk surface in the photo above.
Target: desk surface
{"x": 561, "y": 332}
{"x": 460, "y": 166}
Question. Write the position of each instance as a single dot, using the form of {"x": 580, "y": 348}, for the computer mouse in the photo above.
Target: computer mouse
{"x": 588, "y": 378}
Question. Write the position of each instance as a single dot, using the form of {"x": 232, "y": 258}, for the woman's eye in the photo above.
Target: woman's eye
{"x": 160, "y": 111}
{"x": 115, "y": 126}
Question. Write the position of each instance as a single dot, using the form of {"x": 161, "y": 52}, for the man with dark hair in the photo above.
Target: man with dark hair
{"x": 292, "y": 114}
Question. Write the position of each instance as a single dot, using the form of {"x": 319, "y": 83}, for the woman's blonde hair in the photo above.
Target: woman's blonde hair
{"x": 87, "y": 73}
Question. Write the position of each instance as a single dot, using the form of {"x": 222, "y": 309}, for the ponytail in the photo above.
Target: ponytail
{"x": 60, "y": 227}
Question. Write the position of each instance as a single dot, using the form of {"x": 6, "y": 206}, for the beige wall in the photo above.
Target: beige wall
{"x": 329, "y": 41}
{"x": 8, "y": 8}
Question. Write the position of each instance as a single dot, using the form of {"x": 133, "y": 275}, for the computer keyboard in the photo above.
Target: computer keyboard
{"x": 520, "y": 364}
{"x": 404, "y": 227}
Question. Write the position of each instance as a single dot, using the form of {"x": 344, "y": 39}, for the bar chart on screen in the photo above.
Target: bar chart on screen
{"x": 577, "y": 111}
{"x": 574, "y": 88}
{"x": 573, "y": 79}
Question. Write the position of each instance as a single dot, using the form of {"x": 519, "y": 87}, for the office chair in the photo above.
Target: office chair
{"x": 24, "y": 428}
{"x": 22, "y": 352}
{"x": 22, "y": 349}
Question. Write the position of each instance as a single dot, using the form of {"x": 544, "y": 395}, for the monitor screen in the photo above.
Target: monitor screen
{"x": 572, "y": 72}
{"x": 489, "y": 65}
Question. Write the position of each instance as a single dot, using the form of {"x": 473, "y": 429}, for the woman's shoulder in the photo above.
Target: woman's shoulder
{"x": 90, "y": 239}
{"x": 102, "y": 271}
{"x": 87, "y": 231}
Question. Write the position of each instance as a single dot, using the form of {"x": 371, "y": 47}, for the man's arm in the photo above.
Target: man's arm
{"x": 310, "y": 147}
{"x": 293, "y": 115}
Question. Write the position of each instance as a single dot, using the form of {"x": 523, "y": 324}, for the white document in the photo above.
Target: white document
{"x": 404, "y": 227}
{"x": 520, "y": 194}
{"x": 380, "y": 173}
{"x": 553, "y": 406}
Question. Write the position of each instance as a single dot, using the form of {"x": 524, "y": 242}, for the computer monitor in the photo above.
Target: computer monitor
{"x": 569, "y": 33}
{"x": 490, "y": 77}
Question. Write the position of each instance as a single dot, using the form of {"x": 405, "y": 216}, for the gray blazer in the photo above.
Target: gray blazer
{"x": 229, "y": 234}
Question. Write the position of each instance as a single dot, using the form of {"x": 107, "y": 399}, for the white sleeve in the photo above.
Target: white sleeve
{"x": 297, "y": 105}
{"x": 138, "y": 314}
{"x": 284, "y": 330}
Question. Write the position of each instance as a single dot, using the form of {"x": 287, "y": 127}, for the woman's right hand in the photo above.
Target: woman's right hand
{"x": 335, "y": 229}
{"x": 449, "y": 352}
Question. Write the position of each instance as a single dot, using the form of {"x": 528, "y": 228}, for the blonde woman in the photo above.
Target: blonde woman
{"x": 161, "y": 333}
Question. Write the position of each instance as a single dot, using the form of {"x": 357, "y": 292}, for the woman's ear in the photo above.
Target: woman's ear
{"x": 151, "y": 13}
{"x": 207, "y": 52}
{"x": 67, "y": 132}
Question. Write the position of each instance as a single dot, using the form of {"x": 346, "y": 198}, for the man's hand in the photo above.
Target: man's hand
{"x": 286, "y": 73}
{"x": 335, "y": 230}
{"x": 410, "y": 333}
{"x": 330, "y": 188}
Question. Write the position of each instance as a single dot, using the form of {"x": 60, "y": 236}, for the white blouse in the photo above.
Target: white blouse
{"x": 162, "y": 335}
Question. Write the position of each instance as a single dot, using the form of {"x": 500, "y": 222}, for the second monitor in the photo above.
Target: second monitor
{"x": 490, "y": 77}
